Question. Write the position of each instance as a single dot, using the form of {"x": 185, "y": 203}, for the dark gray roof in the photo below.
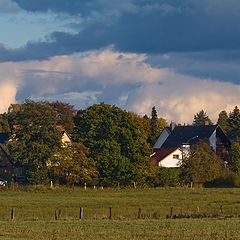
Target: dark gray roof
{"x": 188, "y": 134}
{"x": 4, "y": 137}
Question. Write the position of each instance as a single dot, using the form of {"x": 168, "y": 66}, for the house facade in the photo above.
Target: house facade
{"x": 182, "y": 137}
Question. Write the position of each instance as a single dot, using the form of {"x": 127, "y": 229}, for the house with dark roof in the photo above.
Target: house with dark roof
{"x": 173, "y": 143}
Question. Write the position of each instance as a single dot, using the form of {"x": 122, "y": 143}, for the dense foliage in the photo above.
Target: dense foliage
{"x": 115, "y": 138}
{"x": 201, "y": 165}
{"x": 72, "y": 164}
{"x": 35, "y": 138}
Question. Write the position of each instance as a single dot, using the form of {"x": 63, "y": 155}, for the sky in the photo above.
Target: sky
{"x": 178, "y": 55}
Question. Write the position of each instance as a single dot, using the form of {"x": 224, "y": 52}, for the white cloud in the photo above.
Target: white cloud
{"x": 7, "y": 6}
{"x": 7, "y": 93}
{"x": 90, "y": 77}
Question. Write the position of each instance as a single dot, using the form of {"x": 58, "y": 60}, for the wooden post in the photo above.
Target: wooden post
{"x": 221, "y": 209}
{"x": 94, "y": 187}
{"x": 81, "y": 213}
{"x": 59, "y": 214}
{"x": 85, "y": 186}
{"x": 110, "y": 213}
{"x": 101, "y": 187}
{"x": 56, "y": 216}
{"x": 139, "y": 213}
{"x": 118, "y": 186}
{"x": 198, "y": 209}
{"x": 51, "y": 184}
{"x": 12, "y": 214}
{"x": 171, "y": 212}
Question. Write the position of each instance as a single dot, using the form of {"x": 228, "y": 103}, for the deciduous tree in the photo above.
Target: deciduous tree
{"x": 72, "y": 165}
{"x": 201, "y": 165}
{"x": 115, "y": 138}
{"x": 65, "y": 115}
{"x": 35, "y": 138}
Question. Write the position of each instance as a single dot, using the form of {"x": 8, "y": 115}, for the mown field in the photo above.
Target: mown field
{"x": 34, "y": 210}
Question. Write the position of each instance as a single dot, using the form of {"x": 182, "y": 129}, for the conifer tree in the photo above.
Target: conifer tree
{"x": 235, "y": 157}
{"x": 234, "y": 124}
{"x": 201, "y": 118}
{"x": 223, "y": 120}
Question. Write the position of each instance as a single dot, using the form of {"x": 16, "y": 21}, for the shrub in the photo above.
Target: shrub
{"x": 167, "y": 177}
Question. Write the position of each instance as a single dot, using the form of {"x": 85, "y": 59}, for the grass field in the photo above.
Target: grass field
{"x": 35, "y": 213}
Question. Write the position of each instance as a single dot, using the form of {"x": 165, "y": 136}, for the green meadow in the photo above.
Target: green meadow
{"x": 37, "y": 208}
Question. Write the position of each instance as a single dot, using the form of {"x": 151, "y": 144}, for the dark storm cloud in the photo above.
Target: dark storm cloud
{"x": 142, "y": 26}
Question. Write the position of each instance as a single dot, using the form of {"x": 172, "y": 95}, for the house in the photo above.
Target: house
{"x": 174, "y": 142}
{"x": 66, "y": 139}
{"x": 6, "y": 163}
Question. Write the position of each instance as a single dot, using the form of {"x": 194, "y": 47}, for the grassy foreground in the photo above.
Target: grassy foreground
{"x": 34, "y": 210}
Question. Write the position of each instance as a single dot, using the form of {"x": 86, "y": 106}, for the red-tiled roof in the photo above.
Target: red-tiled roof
{"x": 162, "y": 153}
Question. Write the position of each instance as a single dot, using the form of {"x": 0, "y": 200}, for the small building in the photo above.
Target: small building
{"x": 173, "y": 143}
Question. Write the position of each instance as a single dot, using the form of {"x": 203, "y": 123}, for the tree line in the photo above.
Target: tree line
{"x": 110, "y": 146}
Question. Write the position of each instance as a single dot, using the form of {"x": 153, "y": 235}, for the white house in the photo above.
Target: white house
{"x": 172, "y": 144}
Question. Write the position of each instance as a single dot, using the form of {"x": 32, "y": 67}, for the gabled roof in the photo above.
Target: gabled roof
{"x": 188, "y": 134}
{"x": 162, "y": 153}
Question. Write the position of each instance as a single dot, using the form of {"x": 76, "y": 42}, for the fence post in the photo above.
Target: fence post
{"x": 221, "y": 209}
{"x": 85, "y": 186}
{"x": 139, "y": 213}
{"x": 59, "y": 213}
{"x": 171, "y": 212}
{"x": 81, "y": 213}
{"x": 110, "y": 213}
{"x": 12, "y": 214}
{"x": 56, "y": 216}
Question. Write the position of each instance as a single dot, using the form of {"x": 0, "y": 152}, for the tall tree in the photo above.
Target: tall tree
{"x": 65, "y": 114}
{"x": 201, "y": 118}
{"x": 234, "y": 124}
{"x": 157, "y": 125}
{"x": 35, "y": 138}
{"x": 201, "y": 165}
{"x": 234, "y": 160}
{"x": 115, "y": 138}
{"x": 223, "y": 120}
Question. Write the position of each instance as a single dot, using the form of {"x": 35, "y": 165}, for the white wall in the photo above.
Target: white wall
{"x": 169, "y": 161}
{"x": 161, "y": 139}
{"x": 213, "y": 141}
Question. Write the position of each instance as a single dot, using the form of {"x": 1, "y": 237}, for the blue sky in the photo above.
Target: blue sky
{"x": 180, "y": 55}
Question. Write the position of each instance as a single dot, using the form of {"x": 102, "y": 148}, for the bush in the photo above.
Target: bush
{"x": 228, "y": 179}
{"x": 167, "y": 177}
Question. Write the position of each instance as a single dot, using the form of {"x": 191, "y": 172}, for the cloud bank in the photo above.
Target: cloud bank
{"x": 118, "y": 78}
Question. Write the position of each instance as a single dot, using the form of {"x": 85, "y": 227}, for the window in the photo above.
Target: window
{"x": 175, "y": 156}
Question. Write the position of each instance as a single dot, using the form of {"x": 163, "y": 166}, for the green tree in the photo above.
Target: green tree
{"x": 201, "y": 165}
{"x": 72, "y": 165}
{"x": 234, "y": 124}
{"x": 223, "y": 120}
{"x": 4, "y": 126}
{"x": 65, "y": 115}
{"x": 115, "y": 138}
{"x": 201, "y": 118}
{"x": 35, "y": 138}
{"x": 234, "y": 160}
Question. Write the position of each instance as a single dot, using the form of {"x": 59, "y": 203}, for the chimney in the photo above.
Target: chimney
{"x": 206, "y": 123}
